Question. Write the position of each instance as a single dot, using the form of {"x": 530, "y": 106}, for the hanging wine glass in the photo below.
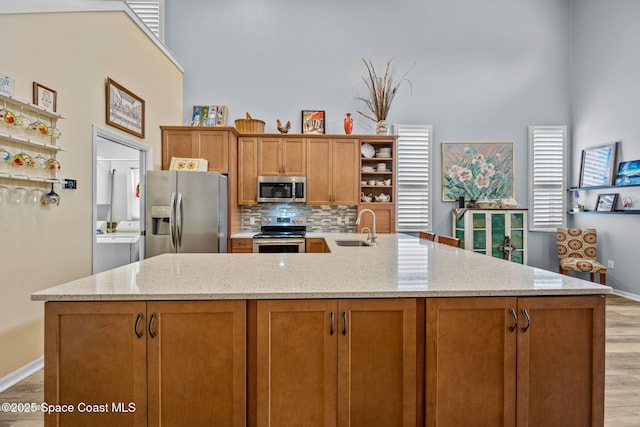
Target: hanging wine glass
{"x": 6, "y": 115}
{"x": 22, "y": 121}
{"x": 4, "y": 193}
{"x": 40, "y": 127}
{"x": 40, "y": 162}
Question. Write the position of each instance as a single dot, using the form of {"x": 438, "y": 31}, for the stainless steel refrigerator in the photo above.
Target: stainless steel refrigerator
{"x": 186, "y": 212}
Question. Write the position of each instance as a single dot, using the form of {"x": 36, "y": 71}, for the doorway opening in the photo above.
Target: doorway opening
{"x": 119, "y": 172}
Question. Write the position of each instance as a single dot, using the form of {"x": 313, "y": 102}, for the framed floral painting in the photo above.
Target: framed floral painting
{"x": 477, "y": 170}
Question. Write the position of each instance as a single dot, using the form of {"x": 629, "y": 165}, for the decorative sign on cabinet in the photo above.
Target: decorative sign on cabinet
{"x": 501, "y": 233}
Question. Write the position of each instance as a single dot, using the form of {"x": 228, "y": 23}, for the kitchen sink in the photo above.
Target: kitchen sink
{"x": 352, "y": 243}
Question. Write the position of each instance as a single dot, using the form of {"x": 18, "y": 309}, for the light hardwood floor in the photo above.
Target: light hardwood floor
{"x": 622, "y": 391}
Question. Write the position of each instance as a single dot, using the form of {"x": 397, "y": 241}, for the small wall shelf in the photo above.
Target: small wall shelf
{"x": 601, "y": 187}
{"x": 32, "y": 107}
{"x": 627, "y": 212}
{"x": 29, "y": 141}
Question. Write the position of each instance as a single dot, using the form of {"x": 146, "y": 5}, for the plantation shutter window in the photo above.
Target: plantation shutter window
{"x": 151, "y": 12}
{"x": 547, "y": 177}
{"x": 413, "y": 200}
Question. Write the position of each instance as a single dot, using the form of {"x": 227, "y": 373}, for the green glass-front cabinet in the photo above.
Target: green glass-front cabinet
{"x": 484, "y": 231}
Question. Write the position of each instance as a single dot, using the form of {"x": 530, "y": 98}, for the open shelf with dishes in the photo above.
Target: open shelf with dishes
{"x": 377, "y": 181}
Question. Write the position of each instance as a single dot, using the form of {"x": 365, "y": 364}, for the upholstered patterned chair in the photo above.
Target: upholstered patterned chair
{"x": 577, "y": 252}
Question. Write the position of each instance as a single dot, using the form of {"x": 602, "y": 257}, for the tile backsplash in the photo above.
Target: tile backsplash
{"x": 319, "y": 218}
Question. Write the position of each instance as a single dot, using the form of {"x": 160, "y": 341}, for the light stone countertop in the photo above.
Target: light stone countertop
{"x": 398, "y": 266}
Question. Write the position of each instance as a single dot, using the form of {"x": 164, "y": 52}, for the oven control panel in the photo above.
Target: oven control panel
{"x": 283, "y": 221}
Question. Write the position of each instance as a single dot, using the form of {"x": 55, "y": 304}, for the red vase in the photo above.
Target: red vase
{"x": 348, "y": 124}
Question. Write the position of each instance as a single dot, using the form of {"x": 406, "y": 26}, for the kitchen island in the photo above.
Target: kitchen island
{"x": 406, "y": 332}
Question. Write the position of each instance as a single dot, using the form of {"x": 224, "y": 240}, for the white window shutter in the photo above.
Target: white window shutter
{"x": 413, "y": 200}
{"x": 151, "y": 12}
{"x": 547, "y": 177}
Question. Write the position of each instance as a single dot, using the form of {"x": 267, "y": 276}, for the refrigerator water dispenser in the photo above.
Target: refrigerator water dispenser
{"x": 160, "y": 216}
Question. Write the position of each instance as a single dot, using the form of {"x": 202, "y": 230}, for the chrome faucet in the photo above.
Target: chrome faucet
{"x": 368, "y": 232}
{"x": 373, "y": 237}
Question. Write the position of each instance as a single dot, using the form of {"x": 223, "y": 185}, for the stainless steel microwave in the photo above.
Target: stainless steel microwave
{"x": 284, "y": 189}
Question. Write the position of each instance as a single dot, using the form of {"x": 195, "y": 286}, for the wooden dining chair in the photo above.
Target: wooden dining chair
{"x": 426, "y": 235}
{"x": 451, "y": 241}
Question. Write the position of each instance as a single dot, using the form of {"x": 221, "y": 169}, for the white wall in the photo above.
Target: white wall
{"x": 605, "y": 94}
{"x": 72, "y": 53}
{"x": 484, "y": 70}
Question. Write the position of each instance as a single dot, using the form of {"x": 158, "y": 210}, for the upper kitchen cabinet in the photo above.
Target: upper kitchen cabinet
{"x": 247, "y": 170}
{"x": 281, "y": 156}
{"x": 211, "y": 144}
{"x": 332, "y": 171}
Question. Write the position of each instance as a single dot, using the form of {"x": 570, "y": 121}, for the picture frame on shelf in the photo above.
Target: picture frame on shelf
{"x": 313, "y": 122}
{"x": 45, "y": 97}
{"x": 606, "y": 202}
{"x": 596, "y": 165}
{"x": 209, "y": 115}
{"x": 628, "y": 173}
{"x": 124, "y": 109}
{"x": 477, "y": 170}
{"x": 7, "y": 85}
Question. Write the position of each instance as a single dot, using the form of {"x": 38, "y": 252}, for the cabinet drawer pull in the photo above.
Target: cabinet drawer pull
{"x": 151, "y": 333}
{"x": 344, "y": 323}
{"x": 515, "y": 319}
{"x": 331, "y": 323}
{"x": 526, "y": 316}
{"x": 135, "y": 327}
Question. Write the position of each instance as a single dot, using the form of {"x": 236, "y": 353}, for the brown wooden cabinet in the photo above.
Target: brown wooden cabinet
{"x": 242, "y": 245}
{"x": 332, "y": 171}
{"x": 179, "y": 363}
{"x": 385, "y": 217}
{"x": 328, "y": 362}
{"x": 316, "y": 245}
{"x": 248, "y": 170}
{"x": 281, "y": 156}
{"x": 508, "y": 368}
{"x": 93, "y": 355}
{"x": 210, "y": 144}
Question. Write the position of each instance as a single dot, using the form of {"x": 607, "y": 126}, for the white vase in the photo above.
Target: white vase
{"x": 381, "y": 127}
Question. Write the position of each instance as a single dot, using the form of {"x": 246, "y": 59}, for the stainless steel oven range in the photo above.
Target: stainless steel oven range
{"x": 281, "y": 234}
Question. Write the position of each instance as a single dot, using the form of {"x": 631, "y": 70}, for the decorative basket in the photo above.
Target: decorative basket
{"x": 250, "y": 125}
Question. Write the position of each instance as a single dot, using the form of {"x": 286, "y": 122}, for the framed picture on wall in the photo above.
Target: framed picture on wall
{"x": 606, "y": 202}
{"x": 44, "y": 97}
{"x": 125, "y": 110}
{"x": 596, "y": 166}
{"x": 477, "y": 170}
{"x": 313, "y": 121}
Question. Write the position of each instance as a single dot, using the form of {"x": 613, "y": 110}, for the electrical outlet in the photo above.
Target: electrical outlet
{"x": 252, "y": 220}
{"x": 610, "y": 264}
{"x": 346, "y": 220}
{"x": 339, "y": 220}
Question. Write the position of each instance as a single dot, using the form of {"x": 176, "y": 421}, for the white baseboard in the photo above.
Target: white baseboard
{"x": 22, "y": 373}
{"x": 628, "y": 295}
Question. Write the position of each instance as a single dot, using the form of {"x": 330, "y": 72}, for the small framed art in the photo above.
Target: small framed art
{"x": 596, "y": 166}
{"x": 606, "y": 202}
{"x": 44, "y": 97}
{"x": 209, "y": 115}
{"x": 313, "y": 122}
{"x": 125, "y": 110}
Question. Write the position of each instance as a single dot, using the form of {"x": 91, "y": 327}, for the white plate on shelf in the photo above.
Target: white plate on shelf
{"x": 367, "y": 150}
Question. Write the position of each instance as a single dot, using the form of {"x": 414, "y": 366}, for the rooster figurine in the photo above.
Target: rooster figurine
{"x": 283, "y": 129}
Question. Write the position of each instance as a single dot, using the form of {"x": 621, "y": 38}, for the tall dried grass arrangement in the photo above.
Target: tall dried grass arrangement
{"x": 381, "y": 90}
